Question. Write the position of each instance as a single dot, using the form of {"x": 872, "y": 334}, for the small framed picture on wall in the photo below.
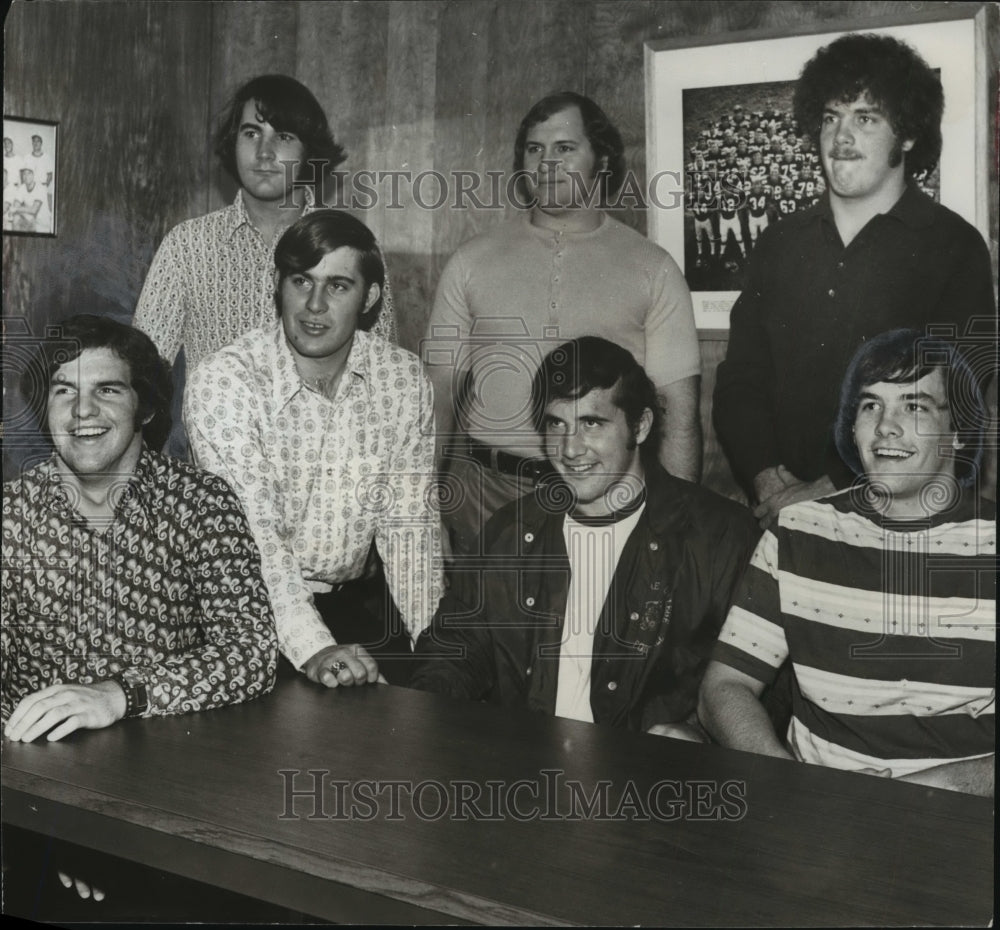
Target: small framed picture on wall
{"x": 30, "y": 176}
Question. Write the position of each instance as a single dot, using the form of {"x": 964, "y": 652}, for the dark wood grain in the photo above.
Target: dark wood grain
{"x": 406, "y": 144}
{"x": 247, "y": 39}
{"x": 461, "y": 87}
{"x": 126, "y": 83}
{"x": 812, "y": 846}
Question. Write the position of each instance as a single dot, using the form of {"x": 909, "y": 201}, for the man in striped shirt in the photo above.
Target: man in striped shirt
{"x": 881, "y": 596}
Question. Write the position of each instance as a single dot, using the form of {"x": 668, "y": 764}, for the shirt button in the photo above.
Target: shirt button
{"x": 612, "y": 685}
{"x": 527, "y": 671}
{"x": 831, "y": 292}
{"x": 553, "y": 305}
{"x": 653, "y": 546}
{"x": 529, "y": 601}
{"x": 633, "y": 616}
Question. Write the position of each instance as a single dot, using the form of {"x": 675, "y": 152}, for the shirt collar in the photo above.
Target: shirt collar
{"x": 235, "y": 215}
{"x": 544, "y": 232}
{"x": 138, "y": 493}
{"x": 914, "y": 208}
{"x": 288, "y": 382}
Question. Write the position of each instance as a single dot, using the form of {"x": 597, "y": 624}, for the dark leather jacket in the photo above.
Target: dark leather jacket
{"x": 497, "y": 632}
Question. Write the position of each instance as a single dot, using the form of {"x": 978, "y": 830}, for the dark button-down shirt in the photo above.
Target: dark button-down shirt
{"x": 809, "y": 302}
{"x": 169, "y": 594}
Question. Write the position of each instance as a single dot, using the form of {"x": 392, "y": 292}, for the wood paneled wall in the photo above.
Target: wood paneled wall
{"x": 126, "y": 83}
{"x": 434, "y": 84}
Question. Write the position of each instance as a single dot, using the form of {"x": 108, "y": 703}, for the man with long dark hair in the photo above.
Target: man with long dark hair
{"x": 210, "y": 280}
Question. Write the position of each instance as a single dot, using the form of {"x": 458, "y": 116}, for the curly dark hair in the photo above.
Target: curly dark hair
{"x": 288, "y": 106}
{"x": 604, "y": 138}
{"x": 902, "y": 355}
{"x": 575, "y": 368}
{"x": 149, "y": 371}
{"x": 892, "y": 75}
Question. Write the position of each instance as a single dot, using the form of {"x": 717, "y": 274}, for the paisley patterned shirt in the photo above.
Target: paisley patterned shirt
{"x": 319, "y": 478}
{"x": 169, "y": 594}
{"x": 211, "y": 281}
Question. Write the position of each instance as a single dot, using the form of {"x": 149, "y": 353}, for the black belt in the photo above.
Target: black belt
{"x": 506, "y": 462}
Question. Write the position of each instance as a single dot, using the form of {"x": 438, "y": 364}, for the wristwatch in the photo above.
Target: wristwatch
{"x": 136, "y": 696}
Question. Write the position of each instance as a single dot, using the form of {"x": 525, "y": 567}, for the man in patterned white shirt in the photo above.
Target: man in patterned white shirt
{"x": 210, "y": 281}
{"x": 326, "y": 433}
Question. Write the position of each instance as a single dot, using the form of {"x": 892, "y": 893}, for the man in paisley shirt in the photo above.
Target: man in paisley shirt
{"x": 131, "y": 582}
{"x": 326, "y": 432}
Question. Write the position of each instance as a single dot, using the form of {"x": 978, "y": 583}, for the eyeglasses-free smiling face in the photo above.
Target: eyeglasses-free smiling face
{"x": 591, "y": 445}
{"x": 93, "y": 417}
{"x": 904, "y": 436}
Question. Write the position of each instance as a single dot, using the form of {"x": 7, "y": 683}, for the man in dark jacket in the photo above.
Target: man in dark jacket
{"x": 599, "y": 595}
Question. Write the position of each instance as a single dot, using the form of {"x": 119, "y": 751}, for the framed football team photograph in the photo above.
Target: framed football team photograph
{"x": 720, "y": 130}
{"x": 30, "y": 177}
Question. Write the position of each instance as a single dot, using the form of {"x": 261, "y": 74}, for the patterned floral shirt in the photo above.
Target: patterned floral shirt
{"x": 169, "y": 594}
{"x": 320, "y": 479}
{"x": 211, "y": 281}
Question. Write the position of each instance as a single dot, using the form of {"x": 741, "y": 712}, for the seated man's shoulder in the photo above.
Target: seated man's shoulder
{"x": 174, "y": 481}
{"x": 701, "y": 510}
{"x": 26, "y": 487}
{"x": 246, "y": 357}
{"x": 523, "y": 519}
{"x": 390, "y": 356}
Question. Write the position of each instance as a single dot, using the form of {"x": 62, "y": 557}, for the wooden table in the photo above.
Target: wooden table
{"x": 731, "y": 839}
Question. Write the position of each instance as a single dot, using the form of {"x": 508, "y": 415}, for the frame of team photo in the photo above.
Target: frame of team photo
{"x": 30, "y": 178}
{"x": 724, "y": 158}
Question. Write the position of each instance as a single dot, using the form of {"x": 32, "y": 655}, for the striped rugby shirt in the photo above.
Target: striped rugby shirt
{"x": 890, "y": 627}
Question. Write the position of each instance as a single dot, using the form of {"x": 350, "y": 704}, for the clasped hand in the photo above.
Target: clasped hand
{"x": 342, "y": 666}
